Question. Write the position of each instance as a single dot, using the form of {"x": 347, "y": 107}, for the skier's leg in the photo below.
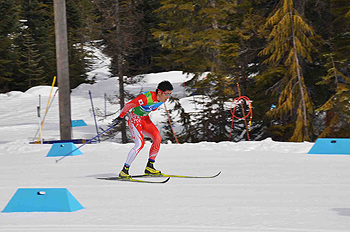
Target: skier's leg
{"x": 135, "y": 127}
{"x": 149, "y": 129}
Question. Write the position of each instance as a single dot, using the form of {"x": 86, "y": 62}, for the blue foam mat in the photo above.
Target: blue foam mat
{"x": 42, "y": 200}
{"x": 331, "y": 146}
{"x": 77, "y": 123}
{"x": 63, "y": 149}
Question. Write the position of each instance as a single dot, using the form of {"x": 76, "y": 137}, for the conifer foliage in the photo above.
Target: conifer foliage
{"x": 196, "y": 33}
{"x": 222, "y": 42}
{"x": 35, "y": 44}
{"x": 29, "y": 60}
{"x": 125, "y": 41}
{"x": 27, "y": 42}
{"x": 199, "y": 39}
{"x": 8, "y": 23}
{"x": 337, "y": 108}
{"x": 337, "y": 78}
{"x": 289, "y": 42}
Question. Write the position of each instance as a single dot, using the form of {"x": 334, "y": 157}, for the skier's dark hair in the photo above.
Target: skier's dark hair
{"x": 164, "y": 86}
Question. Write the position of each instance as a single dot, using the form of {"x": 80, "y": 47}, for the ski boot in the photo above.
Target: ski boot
{"x": 150, "y": 170}
{"x": 124, "y": 173}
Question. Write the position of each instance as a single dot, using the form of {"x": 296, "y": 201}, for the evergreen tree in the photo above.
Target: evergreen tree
{"x": 40, "y": 25}
{"x": 39, "y": 17}
{"x": 338, "y": 106}
{"x": 8, "y": 26}
{"x": 248, "y": 23}
{"x": 146, "y": 47}
{"x": 122, "y": 27}
{"x": 212, "y": 119}
{"x": 337, "y": 120}
{"x": 215, "y": 116}
{"x": 196, "y": 33}
{"x": 32, "y": 74}
{"x": 82, "y": 22}
{"x": 289, "y": 41}
{"x": 199, "y": 37}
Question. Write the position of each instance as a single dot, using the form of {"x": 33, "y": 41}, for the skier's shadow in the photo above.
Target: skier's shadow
{"x": 102, "y": 175}
{"x": 342, "y": 211}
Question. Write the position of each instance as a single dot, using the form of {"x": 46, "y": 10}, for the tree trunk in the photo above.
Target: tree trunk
{"x": 305, "y": 131}
{"x": 120, "y": 69}
{"x": 216, "y": 51}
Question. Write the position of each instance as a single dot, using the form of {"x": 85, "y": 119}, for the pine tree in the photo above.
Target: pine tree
{"x": 82, "y": 23}
{"x": 199, "y": 38}
{"x": 189, "y": 131}
{"x": 289, "y": 42}
{"x": 196, "y": 33}
{"x": 8, "y": 25}
{"x": 121, "y": 21}
{"x": 338, "y": 106}
{"x": 337, "y": 120}
{"x": 146, "y": 47}
{"x": 32, "y": 74}
{"x": 39, "y": 17}
{"x": 40, "y": 22}
{"x": 213, "y": 118}
{"x": 248, "y": 24}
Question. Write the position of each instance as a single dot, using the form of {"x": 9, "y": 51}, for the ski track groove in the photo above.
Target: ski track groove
{"x": 152, "y": 228}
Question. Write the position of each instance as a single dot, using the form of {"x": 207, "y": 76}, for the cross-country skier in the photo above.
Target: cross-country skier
{"x": 140, "y": 124}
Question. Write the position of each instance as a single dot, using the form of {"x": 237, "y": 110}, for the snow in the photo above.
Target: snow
{"x": 264, "y": 185}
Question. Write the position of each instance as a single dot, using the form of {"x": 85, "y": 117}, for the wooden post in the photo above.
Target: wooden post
{"x": 63, "y": 69}
{"x": 171, "y": 125}
{"x": 120, "y": 64}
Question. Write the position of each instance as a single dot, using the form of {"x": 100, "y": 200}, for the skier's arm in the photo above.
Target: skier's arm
{"x": 138, "y": 101}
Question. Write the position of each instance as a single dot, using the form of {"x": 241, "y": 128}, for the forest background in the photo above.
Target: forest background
{"x": 290, "y": 57}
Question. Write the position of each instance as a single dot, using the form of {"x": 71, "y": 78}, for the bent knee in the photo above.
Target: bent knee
{"x": 139, "y": 144}
{"x": 157, "y": 139}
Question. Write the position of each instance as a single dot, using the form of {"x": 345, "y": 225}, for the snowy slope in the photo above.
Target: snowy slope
{"x": 264, "y": 186}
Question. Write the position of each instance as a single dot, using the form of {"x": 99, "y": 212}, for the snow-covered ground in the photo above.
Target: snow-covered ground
{"x": 264, "y": 186}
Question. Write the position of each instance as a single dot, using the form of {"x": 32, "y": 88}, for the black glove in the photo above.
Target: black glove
{"x": 116, "y": 121}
